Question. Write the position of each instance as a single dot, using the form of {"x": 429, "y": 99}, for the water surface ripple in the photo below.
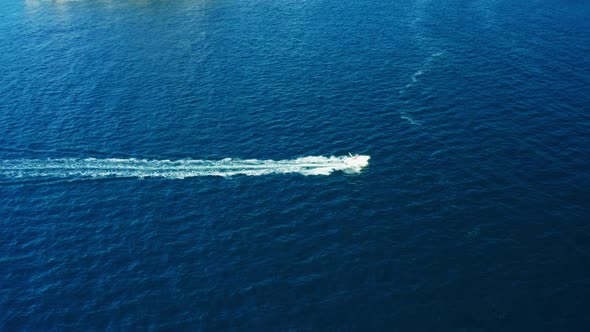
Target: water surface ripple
{"x": 472, "y": 215}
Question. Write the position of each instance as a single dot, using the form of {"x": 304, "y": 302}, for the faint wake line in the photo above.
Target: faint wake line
{"x": 414, "y": 80}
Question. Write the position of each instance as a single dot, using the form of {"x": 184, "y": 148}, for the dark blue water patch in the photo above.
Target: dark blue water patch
{"x": 471, "y": 215}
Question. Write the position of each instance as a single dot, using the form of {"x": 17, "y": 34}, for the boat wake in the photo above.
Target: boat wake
{"x": 178, "y": 169}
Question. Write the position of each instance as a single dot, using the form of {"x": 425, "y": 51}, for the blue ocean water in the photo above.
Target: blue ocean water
{"x": 167, "y": 165}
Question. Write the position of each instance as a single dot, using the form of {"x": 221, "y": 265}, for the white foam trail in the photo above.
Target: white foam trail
{"x": 416, "y": 74}
{"x": 179, "y": 169}
{"x": 410, "y": 119}
{"x": 414, "y": 81}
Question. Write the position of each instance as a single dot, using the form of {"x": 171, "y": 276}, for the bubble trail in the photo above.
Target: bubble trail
{"x": 176, "y": 169}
